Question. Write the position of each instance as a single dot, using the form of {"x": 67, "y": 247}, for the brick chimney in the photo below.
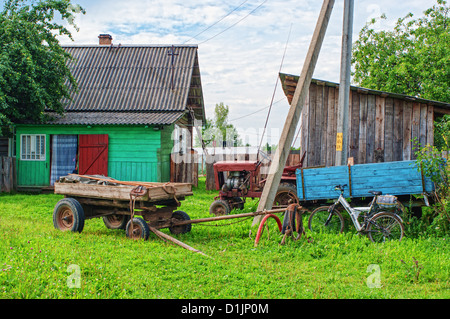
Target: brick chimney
{"x": 104, "y": 39}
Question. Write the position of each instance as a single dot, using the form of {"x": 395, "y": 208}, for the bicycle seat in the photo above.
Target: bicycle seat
{"x": 376, "y": 193}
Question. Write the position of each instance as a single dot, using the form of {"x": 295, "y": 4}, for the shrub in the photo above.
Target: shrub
{"x": 433, "y": 164}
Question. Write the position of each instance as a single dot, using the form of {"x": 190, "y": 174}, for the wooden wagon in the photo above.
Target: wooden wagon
{"x": 117, "y": 202}
{"x": 402, "y": 179}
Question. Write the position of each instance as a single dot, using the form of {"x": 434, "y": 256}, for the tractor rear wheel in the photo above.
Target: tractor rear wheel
{"x": 285, "y": 196}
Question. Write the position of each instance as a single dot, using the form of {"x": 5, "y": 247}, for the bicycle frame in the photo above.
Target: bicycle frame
{"x": 354, "y": 212}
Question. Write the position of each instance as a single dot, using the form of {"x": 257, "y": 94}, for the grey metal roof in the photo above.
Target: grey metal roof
{"x": 134, "y": 78}
{"x": 116, "y": 118}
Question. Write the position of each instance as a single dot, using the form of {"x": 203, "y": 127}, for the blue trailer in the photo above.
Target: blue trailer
{"x": 402, "y": 179}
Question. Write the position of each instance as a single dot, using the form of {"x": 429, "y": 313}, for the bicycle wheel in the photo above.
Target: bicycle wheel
{"x": 385, "y": 226}
{"x": 319, "y": 221}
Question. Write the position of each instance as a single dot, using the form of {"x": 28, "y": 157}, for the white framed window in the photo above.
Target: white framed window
{"x": 32, "y": 147}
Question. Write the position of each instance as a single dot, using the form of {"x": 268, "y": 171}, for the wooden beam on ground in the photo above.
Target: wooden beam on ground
{"x": 298, "y": 101}
{"x": 164, "y": 236}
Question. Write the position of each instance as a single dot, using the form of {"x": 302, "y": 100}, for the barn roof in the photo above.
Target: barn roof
{"x": 289, "y": 83}
{"x": 133, "y": 84}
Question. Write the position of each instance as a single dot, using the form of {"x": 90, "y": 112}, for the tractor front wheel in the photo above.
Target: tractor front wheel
{"x": 219, "y": 208}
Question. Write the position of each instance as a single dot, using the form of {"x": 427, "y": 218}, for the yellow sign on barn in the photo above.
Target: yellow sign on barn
{"x": 339, "y": 142}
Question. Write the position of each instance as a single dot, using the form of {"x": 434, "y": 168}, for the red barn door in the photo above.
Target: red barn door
{"x": 93, "y": 154}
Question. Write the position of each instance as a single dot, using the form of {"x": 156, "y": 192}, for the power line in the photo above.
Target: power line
{"x": 275, "y": 89}
{"x": 234, "y": 24}
{"x": 195, "y": 36}
{"x": 260, "y": 110}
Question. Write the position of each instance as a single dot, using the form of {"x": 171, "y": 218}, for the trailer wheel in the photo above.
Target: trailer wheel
{"x": 68, "y": 215}
{"x": 137, "y": 228}
{"x": 182, "y": 229}
{"x": 285, "y": 196}
{"x": 219, "y": 208}
{"x": 116, "y": 221}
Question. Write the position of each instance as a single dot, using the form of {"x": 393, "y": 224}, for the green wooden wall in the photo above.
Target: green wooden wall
{"x": 136, "y": 153}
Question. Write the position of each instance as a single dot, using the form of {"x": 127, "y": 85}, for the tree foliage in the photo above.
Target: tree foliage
{"x": 412, "y": 59}
{"x": 34, "y": 75}
{"x": 219, "y": 130}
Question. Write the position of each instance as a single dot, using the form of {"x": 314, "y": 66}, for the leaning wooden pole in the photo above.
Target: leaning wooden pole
{"x": 287, "y": 135}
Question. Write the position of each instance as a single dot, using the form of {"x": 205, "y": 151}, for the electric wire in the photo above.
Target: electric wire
{"x": 274, "y": 91}
{"x": 260, "y": 110}
{"x": 218, "y": 21}
{"x": 234, "y": 24}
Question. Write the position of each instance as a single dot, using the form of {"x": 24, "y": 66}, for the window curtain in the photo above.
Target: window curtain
{"x": 64, "y": 156}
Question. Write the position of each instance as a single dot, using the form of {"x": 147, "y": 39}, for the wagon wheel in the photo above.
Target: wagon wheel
{"x": 182, "y": 229}
{"x": 219, "y": 208}
{"x": 68, "y": 215}
{"x": 116, "y": 221}
{"x": 137, "y": 228}
{"x": 286, "y": 195}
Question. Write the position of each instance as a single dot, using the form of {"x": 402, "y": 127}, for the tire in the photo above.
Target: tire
{"x": 140, "y": 229}
{"x": 286, "y": 195}
{"x": 219, "y": 208}
{"x": 385, "y": 226}
{"x": 116, "y": 221}
{"x": 183, "y": 229}
{"x": 319, "y": 216}
{"x": 68, "y": 215}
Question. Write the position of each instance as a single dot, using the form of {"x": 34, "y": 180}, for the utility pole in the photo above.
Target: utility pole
{"x": 344, "y": 87}
{"x": 298, "y": 101}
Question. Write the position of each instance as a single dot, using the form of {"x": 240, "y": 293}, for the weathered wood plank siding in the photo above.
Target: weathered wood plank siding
{"x": 382, "y": 128}
{"x": 7, "y": 174}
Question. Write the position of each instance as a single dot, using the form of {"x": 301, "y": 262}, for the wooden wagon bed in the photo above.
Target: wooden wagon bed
{"x": 401, "y": 179}
{"x": 111, "y": 189}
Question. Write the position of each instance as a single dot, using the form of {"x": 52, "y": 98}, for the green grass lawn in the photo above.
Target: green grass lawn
{"x": 38, "y": 261}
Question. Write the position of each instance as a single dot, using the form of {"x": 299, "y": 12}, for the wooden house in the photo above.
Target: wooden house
{"x": 121, "y": 122}
{"x": 383, "y": 127}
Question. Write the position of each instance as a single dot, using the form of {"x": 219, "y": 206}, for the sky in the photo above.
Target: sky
{"x": 241, "y": 44}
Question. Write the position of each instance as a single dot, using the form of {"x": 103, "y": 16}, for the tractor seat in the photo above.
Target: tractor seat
{"x": 376, "y": 193}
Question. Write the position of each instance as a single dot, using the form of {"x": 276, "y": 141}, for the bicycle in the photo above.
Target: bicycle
{"x": 379, "y": 225}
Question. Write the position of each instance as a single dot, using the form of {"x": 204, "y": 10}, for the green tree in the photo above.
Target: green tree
{"x": 34, "y": 72}
{"x": 412, "y": 59}
{"x": 219, "y": 130}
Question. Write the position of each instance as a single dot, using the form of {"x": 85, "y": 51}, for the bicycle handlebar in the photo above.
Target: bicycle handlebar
{"x": 340, "y": 187}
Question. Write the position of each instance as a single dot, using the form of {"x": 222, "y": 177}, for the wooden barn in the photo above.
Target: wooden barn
{"x": 383, "y": 127}
{"x": 121, "y": 123}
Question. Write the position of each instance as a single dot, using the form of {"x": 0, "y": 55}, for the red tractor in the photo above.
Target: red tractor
{"x": 238, "y": 180}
